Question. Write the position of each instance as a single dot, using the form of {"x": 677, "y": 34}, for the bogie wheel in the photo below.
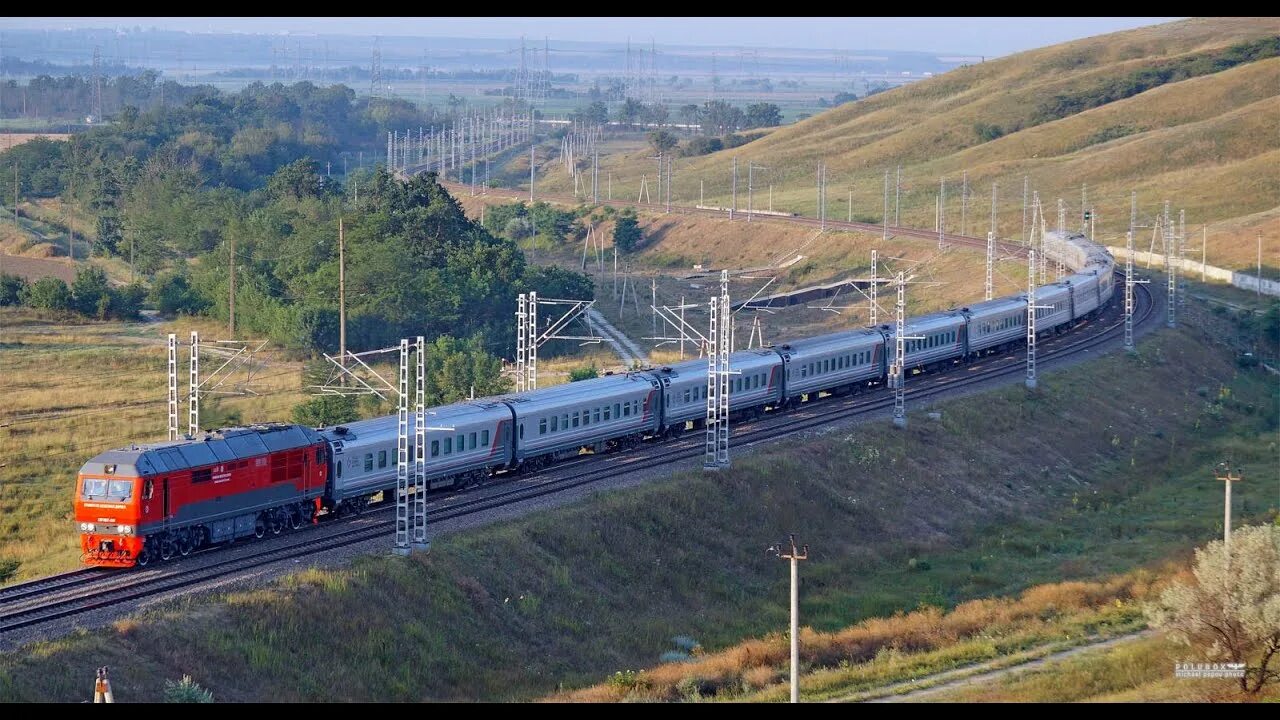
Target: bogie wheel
{"x": 167, "y": 549}
{"x": 144, "y": 557}
{"x": 296, "y": 518}
{"x": 260, "y": 527}
{"x": 276, "y": 523}
{"x": 185, "y": 543}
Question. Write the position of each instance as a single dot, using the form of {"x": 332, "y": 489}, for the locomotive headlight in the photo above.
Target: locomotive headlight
{"x": 126, "y": 529}
{"x": 86, "y": 527}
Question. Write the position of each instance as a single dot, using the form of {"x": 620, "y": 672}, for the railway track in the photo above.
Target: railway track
{"x": 81, "y": 592}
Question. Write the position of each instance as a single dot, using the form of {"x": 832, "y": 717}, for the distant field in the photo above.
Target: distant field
{"x": 9, "y": 140}
{"x": 35, "y": 268}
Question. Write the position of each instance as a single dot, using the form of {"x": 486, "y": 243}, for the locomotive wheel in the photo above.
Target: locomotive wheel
{"x": 296, "y": 521}
{"x": 260, "y": 527}
{"x": 144, "y": 557}
{"x": 185, "y": 543}
{"x": 167, "y": 549}
{"x": 275, "y": 522}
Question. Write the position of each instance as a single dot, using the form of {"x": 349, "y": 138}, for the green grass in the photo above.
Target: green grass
{"x": 1108, "y": 468}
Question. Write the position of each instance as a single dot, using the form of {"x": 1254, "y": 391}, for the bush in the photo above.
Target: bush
{"x": 48, "y": 293}
{"x": 12, "y": 288}
{"x": 986, "y": 132}
{"x": 701, "y": 145}
{"x": 126, "y": 302}
{"x": 587, "y": 372}
{"x": 186, "y": 690}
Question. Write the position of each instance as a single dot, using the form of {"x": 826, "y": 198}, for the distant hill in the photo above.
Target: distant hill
{"x": 1187, "y": 111}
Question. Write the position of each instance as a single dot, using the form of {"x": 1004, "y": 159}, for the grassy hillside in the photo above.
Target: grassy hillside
{"x": 1206, "y": 138}
{"x": 1105, "y": 469}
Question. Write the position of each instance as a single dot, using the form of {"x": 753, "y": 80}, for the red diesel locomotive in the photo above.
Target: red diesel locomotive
{"x": 147, "y": 502}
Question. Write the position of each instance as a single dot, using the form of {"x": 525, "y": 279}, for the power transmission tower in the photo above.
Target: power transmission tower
{"x": 875, "y": 286}
{"x": 375, "y": 71}
{"x": 193, "y": 384}
{"x": 97, "y": 85}
{"x": 898, "y": 375}
{"x": 718, "y": 350}
{"x": 1032, "y": 311}
{"x": 1171, "y": 271}
{"x": 173, "y": 386}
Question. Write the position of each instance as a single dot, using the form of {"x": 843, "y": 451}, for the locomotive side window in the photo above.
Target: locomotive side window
{"x": 338, "y": 465}
{"x": 148, "y": 489}
{"x": 319, "y": 456}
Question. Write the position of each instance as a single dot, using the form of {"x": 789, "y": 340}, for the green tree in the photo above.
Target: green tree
{"x": 763, "y": 115}
{"x": 326, "y": 411}
{"x": 90, "y": 292}
{"x": 626, "y": 231}
{"x": 662, "y": 141}
{"x": 172, "y": 294}
{"x": 11, "y": 289}
{"x": 455, "y": 366}
{"x": 299, "y": 179}
{"x": 48, "y": 293}
{"x": 1231, "y": 609}
{"x": 186, "y": 690}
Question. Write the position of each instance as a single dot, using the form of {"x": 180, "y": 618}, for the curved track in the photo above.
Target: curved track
{"x": 79, "y": 593}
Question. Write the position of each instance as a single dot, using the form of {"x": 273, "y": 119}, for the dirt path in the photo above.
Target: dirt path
{"x": 976, "y": 674}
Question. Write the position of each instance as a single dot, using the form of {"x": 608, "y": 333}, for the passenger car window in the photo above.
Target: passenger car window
{"x": 435, "y": 448}
{"x": 382, "y": 458}
{"x": 368, "y": 462}
{"x": 484, "y": 438}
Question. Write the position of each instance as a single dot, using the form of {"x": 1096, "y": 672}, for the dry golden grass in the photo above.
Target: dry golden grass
{"x": 70, "y": 391}
{"x": 756, "y": 664}
{"x": 1208, "y": 144}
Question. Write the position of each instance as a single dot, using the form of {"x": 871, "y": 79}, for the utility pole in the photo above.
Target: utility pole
{"x": 1026, "y": 185}
{"x": 884, "y": 231}
{"x": 964, "y": 203}
{"x": 897, "y": 196}
{"x": 1259, "y": 264}
{"x": 1224, "y": 473}
{"x": 231, "y": 295}
{"x": 942, "y": 210}
{"x": 531, "y": 170}
{"x": 342, "y": 298}
{"x": 794, "y": 554}
{"x": 734, "y": 204}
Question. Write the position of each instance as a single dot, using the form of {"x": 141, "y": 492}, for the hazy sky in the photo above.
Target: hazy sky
{"x": 969, "y": 36}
